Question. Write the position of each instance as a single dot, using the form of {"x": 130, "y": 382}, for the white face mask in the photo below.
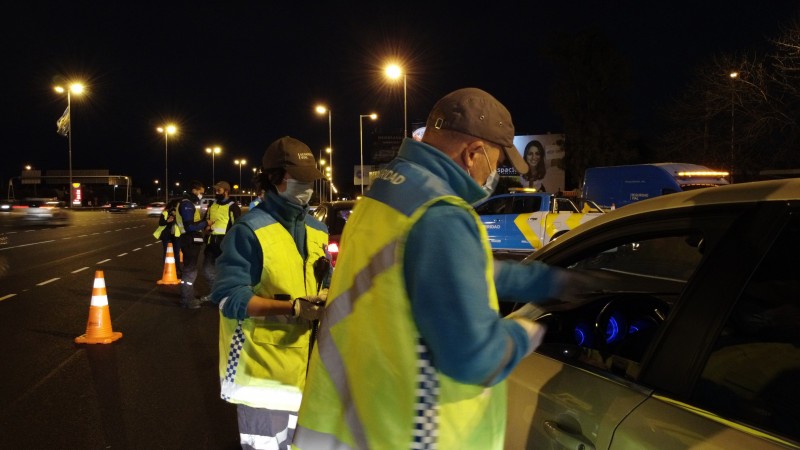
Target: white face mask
{"x": 297, "y": 192}
{"x": 491, "y": 182}
{"x": 494, "y": 177}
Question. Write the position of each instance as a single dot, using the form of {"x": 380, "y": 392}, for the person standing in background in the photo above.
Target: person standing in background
{"x": 191, "y": 227}
{"x": 222, "y": 214}
{"x": 168, "y": 232}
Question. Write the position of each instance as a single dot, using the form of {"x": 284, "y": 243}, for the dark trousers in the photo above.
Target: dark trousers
{"x": 210, "y": 255}
{"x": 191, "y": 253}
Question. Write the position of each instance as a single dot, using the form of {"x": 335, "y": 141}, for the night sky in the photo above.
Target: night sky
{"x": 241, "y": 76}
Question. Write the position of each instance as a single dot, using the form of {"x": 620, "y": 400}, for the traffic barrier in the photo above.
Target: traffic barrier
{"x": 98, "y": 327}
{"x": 170, "y": 275}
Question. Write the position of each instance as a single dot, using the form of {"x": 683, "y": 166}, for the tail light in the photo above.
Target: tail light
{"x": 333, "y": 249}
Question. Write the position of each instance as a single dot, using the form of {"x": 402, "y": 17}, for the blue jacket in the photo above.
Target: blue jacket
{"x": 444, "y": 266}
{"x": 239, "y": 267}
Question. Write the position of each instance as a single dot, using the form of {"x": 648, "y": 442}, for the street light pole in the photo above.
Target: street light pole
{"x": 213, "y": 151}
{"x": 734, "y": 75}
{"x": 240, "y": 163}
{"x": 166, "y": 130}
{"x": 321, "y": 109}
{"x": 372, "y": 116}
{"x": 394, "y": 71}
{"x": 78, "y": 89}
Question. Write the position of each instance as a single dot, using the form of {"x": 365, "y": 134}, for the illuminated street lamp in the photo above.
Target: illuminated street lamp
{"x": 213, "y": 151}
{"x": 166, "y": 130}
{"x": 240, "y": 163}
{"x": 372, "y": 116}
{"x": 65, "y": 124}
{"x": 321, "y": 109}
{"x": 734, "y": 75}
{"x": 394, "y": 72}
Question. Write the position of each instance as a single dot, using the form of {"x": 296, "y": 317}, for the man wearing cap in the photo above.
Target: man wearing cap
{"x": 220, "y": 215}
{"x": 191, "y": 226}
{"x": 412, "y": 352}
{"x": 268, "y": 293}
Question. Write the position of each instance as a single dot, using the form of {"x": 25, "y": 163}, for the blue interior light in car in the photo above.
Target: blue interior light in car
{"x": 612, "y": 330}
{"x": 580, "y": 336}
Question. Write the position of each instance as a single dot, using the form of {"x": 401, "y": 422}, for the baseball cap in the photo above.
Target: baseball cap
{"x": 294, "y": 156}
{"x": 475, "y": 112}
{"x": 224, "y": 185}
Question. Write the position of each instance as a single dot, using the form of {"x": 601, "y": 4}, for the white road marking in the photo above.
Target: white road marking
{"x": 103, "y": 261}
{"x": 26, "y": 245}
{"x": 47, "y": 282}
{"x": 79, "y": 270}
{"x": 122, "y": 254}
{"x": 136, "y": 249}
{"x": 7, "y": 297}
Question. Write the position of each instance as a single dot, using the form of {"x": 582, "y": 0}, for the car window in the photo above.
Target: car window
{"x": 499, "y": 205}
{"x": 753, "y": 370}
{"x": 635, "y": 283}
{"x": 672, "y": 257}
{"x": 526, "y": 204}
{"x": 564, "y": 205}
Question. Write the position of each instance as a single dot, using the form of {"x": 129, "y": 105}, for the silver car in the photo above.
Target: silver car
{"x": 687, "y": 336}
{"x": 40, "y": 211}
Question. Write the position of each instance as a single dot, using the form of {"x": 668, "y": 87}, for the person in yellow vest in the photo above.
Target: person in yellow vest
{"x": 168, "y": 231}
{"x": 191, "y": 226}
{"x": 269, "y": 293}
{"x": 412, "y": 352}
{"x": 222, "y": 214}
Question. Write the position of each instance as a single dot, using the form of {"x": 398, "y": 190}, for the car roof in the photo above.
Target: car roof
{"x": 741, "y": 193}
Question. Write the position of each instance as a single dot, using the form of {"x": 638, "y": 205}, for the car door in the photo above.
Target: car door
{"x": 571, "y": 393}
{"x": 739, "y": 389}
{"x": 494, "y": 213}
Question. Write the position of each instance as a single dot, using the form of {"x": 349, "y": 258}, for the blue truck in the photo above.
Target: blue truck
{"x": 615, "y": 186}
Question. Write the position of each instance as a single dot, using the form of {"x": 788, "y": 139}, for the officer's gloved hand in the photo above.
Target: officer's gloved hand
{"x": 536, "y": 332}
{"x": 309, "y": 307}
{"x": 574, "y": 287}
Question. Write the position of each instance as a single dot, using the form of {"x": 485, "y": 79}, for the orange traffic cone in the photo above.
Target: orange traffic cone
{"x": 98, "y": 328}
{"x": 170, "y": 275}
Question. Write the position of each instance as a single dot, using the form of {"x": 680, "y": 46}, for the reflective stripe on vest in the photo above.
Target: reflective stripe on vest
{"x": 221, "y": 215}
{"x": 263, "y": 360}
{"x": 370, "y": 368}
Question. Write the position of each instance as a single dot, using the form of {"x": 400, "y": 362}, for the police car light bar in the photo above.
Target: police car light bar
{"x": 706, "y": 174}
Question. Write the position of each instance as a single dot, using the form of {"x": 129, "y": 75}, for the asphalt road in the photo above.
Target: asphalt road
{"x": 156, "y": 387}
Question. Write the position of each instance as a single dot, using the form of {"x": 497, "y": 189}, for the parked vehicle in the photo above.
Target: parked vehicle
{"x": 523, "y": 221}
{"x": 334, "y": 215}
{"x": 615, "y": 186}
{"x": 688, "y": 337}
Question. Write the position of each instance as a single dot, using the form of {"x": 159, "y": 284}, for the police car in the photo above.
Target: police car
{"x": 524, "y": 220}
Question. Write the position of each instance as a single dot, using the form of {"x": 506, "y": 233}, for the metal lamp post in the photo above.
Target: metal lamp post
{"x": 166, "y": 130}
{"x": 394, "y": 71}
{"x": 213, "y": 151}
{"x": 372, "y": 116}
{"x": 77, "y": 88}
{"x": 321, "y": 109}
{"x": 240, "y": 163}
{"x": 733, "y": 75}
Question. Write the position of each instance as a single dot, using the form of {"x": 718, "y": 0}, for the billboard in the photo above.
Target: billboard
{"x": 544, "y": 154}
